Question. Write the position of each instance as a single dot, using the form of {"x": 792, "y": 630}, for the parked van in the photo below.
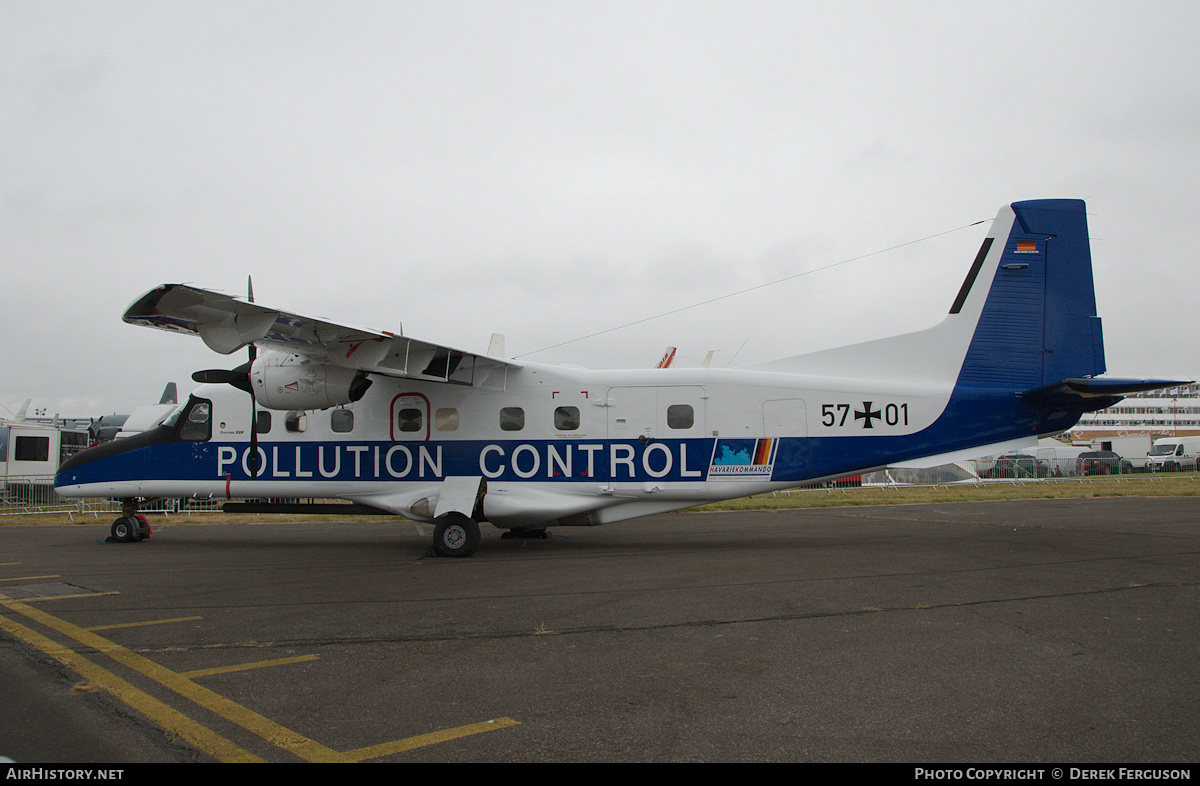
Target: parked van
{"x": 1173, "y": 454}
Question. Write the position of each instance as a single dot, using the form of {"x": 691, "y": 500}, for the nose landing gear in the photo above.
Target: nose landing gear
{"x": 131, "y": 527}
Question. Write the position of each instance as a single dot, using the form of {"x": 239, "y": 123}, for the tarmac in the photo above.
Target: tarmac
{"x": 1050, "y": 631}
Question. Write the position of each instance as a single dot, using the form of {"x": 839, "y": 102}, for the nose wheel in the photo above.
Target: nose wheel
{"x": 130, "y": 529}
{"x": 132, "y": 526}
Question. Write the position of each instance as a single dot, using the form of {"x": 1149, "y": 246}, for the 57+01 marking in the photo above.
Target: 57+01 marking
{"x": 836, "y": 415}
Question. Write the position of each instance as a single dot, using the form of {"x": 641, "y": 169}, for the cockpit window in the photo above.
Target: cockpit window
{"x": 196, "y": 425}
{"x": 172, "y": 419}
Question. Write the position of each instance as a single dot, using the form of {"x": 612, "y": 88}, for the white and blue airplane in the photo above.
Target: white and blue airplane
{"x": 453, "y": 438}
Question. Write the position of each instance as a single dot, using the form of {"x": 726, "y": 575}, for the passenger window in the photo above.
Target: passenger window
{"x": 566, "y": 418}
{"x": 197, "y": 425}
{"x": 410, "y": 420}
{"x": 295, "y": 422}
{"x": 680, "y": 416}
{"x": 341, "y": 421}
{"x": 512, "y": 419}
{"x": 262, "y": 422}
{"x": 445, "y": 419}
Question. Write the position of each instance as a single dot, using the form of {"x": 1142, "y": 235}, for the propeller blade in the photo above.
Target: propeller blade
{"x": 219, "y": 376}
{"x": 238, "y": 377}
{"x": 253, "y": 439}
{"x": 250, "y": 297}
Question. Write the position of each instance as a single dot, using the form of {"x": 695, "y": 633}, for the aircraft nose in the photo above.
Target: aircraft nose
{"x": 120, "y": 459}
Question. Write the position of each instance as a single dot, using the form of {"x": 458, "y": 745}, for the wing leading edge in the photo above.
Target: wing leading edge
{"x": 227, "y": 323}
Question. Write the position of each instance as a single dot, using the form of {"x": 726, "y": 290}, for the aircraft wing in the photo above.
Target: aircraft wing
{"x": 227, "y": 323}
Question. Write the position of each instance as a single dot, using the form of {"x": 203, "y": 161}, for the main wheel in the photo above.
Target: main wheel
{"x": 455, "y": 535}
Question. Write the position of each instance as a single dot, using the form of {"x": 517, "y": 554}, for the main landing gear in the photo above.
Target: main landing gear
{"x": 455, "y": 535}
{"x": 131, "y": 527}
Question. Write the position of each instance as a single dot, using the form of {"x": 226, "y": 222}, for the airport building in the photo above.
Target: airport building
{"x": 1174, "y": 412}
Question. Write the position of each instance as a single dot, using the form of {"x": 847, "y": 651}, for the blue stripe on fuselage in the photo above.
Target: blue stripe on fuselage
{"x": 973, "y": 416}
{"x": 541, "y": 460}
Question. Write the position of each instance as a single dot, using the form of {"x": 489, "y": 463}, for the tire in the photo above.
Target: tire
{"x": 455, "y": 535}
{"x": 123, "y": 530}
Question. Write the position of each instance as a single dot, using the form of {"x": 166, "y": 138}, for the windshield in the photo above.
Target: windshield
{"x": 193, "y": 419}
{"x": 1163, "y": 450}
{"x": 173, "y": 418}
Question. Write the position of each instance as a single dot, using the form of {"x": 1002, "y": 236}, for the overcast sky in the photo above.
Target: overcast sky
{"x": 548, "y": 170}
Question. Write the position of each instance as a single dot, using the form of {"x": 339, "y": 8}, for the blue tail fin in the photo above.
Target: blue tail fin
{"x": 1024, "y": 322}
{"x": 1038, "y": 325}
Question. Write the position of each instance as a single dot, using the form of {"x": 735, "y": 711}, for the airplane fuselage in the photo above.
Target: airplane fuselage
{"x": 555, "y": 445}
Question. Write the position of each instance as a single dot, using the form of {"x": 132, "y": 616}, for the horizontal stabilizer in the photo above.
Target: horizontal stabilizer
{"x": 1091, "y": 394}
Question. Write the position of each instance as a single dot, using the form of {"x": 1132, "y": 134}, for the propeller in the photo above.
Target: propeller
{"x": 253, "y": 404}
{"x": 240, "y": 378}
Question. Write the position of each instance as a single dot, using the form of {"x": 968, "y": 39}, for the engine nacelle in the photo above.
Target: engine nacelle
{"x": 297, "y": 382}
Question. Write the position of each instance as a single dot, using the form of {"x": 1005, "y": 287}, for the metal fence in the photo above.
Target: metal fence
{"x": 1007, "y": 469}
{"x": 22, "y": 495}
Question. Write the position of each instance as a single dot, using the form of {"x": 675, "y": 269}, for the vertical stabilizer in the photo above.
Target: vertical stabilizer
{"x": 1038, "y": 324}
{"x": 1024, "y": 317}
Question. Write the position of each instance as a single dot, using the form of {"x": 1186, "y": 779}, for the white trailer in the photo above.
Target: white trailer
{"x": 1131, "y": 448}
{"x": 30, "y": 453}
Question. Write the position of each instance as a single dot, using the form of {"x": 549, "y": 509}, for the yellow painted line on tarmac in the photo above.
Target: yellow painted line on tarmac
{"x": 262, "y": 664}
{"x": 182, "y": 684}
{"x": 31, "y": 578}
{"x": 169, "y": 719}
{"x": 6, "y": 601}
{"x": 142, "y": 623}
{"x": 272, "y": 732}
{"x": 421, "y": 740}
